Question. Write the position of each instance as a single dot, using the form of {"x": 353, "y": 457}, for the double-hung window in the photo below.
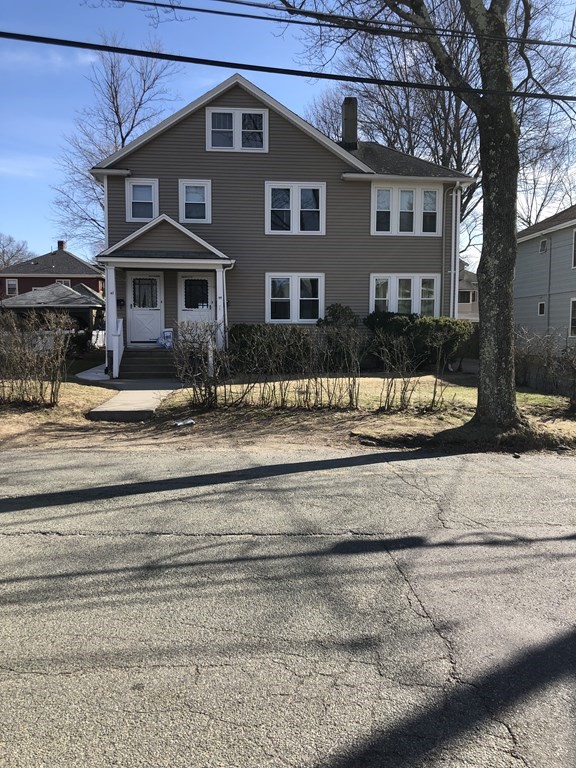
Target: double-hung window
{"x": 401, "y": 211}
{"x": 572, "y": 317}
{"x": 295, "y": 208}
{"x": 11, "y": 287}
{"x": 195, "y": 201}
{"x": 574, "y": 249}
{"x": 141, "y": 199}
{"x": 406, "y": 211}
{"x": 237, "y": 130}
{"x": 405, "y": 294}
{"x": 429, "y": 211}
{"x": 294, "y": 298}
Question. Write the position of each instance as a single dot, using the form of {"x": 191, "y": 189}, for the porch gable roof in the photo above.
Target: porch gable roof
{"x": 120, "y": 250}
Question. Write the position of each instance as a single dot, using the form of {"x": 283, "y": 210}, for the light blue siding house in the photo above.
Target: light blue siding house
{"x": 545, "y": 279}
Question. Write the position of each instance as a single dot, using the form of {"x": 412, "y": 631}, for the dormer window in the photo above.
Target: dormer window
{"x": 237, "y": 130}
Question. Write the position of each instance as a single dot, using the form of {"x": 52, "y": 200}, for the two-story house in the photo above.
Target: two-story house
{"x": 545, "y": 277}
{"x": 236, "y": 210}
{"x": 59, "y": 266}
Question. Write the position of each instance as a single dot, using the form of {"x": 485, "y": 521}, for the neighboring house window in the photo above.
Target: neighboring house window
{"x": 543, "y": 246}
{"x": 295, "y": 208}
{"x": 406, "y": 211}
{"x": 405, "y": 294}
{"x": 541, "y": 307}
{"x": 466, "y": 297}
{"x": 237, "y": 130}
{"x": 11, "y": 287}
{"x": 574, "y": 249}
{"x": 572, "y": 317}
{"x": 195, "y": 201}
{"x": 141, "y": 199}
{"x": 64, "y": 281}
{"x": 294, "y": 298}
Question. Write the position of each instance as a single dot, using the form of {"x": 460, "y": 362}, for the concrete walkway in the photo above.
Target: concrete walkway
{"x": 136, "y": 400}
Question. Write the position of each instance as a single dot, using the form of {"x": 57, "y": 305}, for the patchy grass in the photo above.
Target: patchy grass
{"x": 268, "y": 429}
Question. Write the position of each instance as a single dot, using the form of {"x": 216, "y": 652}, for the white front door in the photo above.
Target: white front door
{"x": 196, "y": 302}
{"x": 145, "y": 312}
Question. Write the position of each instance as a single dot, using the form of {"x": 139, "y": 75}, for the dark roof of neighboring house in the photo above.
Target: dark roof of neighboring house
{"x": 60, "y": 263}
{"x": 564, "y": 217}
{"x": 389, "y": 161}
{"x": 56, "y": 296}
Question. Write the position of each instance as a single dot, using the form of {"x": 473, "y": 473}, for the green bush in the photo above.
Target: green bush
{"x": 431, "y": 340}
{"x": 338, "y": 315}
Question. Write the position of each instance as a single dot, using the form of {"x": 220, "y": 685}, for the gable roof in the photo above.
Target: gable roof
{"x": 60, "y": 263}
{"x": 564, "y": 218}
{"x": 214, "y": 253}
{"x": 388, "y": 161}
{"x": 55, "y": 296}
{"x": 202, "y": 101}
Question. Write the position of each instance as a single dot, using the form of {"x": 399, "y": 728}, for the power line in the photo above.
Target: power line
{"x": 277, "y": 70}
{"x": 338, "y": 21}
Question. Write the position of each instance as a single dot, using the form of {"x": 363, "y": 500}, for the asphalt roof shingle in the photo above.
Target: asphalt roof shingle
{"x": 59, "y": 263}
{"x": 564, "y": 217}
{"x": 391, "y": 162}
{"x": 55, "y": 296}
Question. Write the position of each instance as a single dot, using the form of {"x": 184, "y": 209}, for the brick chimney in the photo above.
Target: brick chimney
{"x": 350, "y": 123}
{"x": 61, "y": 245}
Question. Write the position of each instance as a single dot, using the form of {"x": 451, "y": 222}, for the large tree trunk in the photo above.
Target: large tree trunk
{"x": 499, "y": 133}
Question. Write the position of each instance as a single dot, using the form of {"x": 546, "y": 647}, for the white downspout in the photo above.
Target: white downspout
{"x": 455, "y": 250}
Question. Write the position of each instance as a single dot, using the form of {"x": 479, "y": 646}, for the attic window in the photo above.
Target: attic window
{"x": 237, "y": 130}
{"x": 543, "y": 246}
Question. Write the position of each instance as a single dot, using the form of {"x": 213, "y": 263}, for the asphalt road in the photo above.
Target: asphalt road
{"x": 316, "y": 609}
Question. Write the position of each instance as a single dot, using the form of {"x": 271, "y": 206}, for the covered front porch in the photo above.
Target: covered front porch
{"x": 149, "y": 291}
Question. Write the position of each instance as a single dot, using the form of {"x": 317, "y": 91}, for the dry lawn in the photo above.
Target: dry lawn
{"x": 266, "y": 429}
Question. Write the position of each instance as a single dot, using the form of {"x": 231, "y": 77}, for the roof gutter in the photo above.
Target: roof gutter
{"x": 464, "y": 182}
{"x": 100, "y": 173}
{"x": 542, "y": 232}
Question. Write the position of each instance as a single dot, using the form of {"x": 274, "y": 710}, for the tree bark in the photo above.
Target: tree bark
{"x": 499, "y": 135}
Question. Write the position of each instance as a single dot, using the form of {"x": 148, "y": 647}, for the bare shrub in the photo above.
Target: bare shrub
{"x": 400, "y": 363}
{"x": 272, "y": 366}
{"x": 33, "y": 357}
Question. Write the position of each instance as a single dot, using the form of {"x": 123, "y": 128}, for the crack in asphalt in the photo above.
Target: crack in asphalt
{"x": 451, "y": 656}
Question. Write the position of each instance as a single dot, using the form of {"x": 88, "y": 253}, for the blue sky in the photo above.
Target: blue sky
{"x": 43, "y": 86}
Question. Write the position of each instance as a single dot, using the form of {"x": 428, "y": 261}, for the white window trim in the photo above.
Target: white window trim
{"x": 14, "y": 281}
{"x": 64, "y": 281}
{"x": 295, "y": 187}
{"x": 182, "y": 184}
{"x": 543, "y": 305}
{"x": 236, "y": 113}
{"x": 570, "y": 334}
{"x": 574, "y": 249}
{"x": 418, "y": 191}
{"x": 155, "y": 206}
{"x": 393, "y": 279}
{"x": 295, "y": 278}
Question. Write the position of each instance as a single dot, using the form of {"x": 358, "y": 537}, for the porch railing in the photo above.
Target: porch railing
{"x": 117, "y": 347}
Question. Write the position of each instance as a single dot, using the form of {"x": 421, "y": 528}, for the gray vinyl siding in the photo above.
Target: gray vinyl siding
{"x": 545, "y": 277}
{"x": 347, "y": 254}
{"x": 164, "y": 237}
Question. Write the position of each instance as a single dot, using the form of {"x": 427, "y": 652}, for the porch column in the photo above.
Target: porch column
{"x": 220, "y": 314}
{"x": 111, "y": 313}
